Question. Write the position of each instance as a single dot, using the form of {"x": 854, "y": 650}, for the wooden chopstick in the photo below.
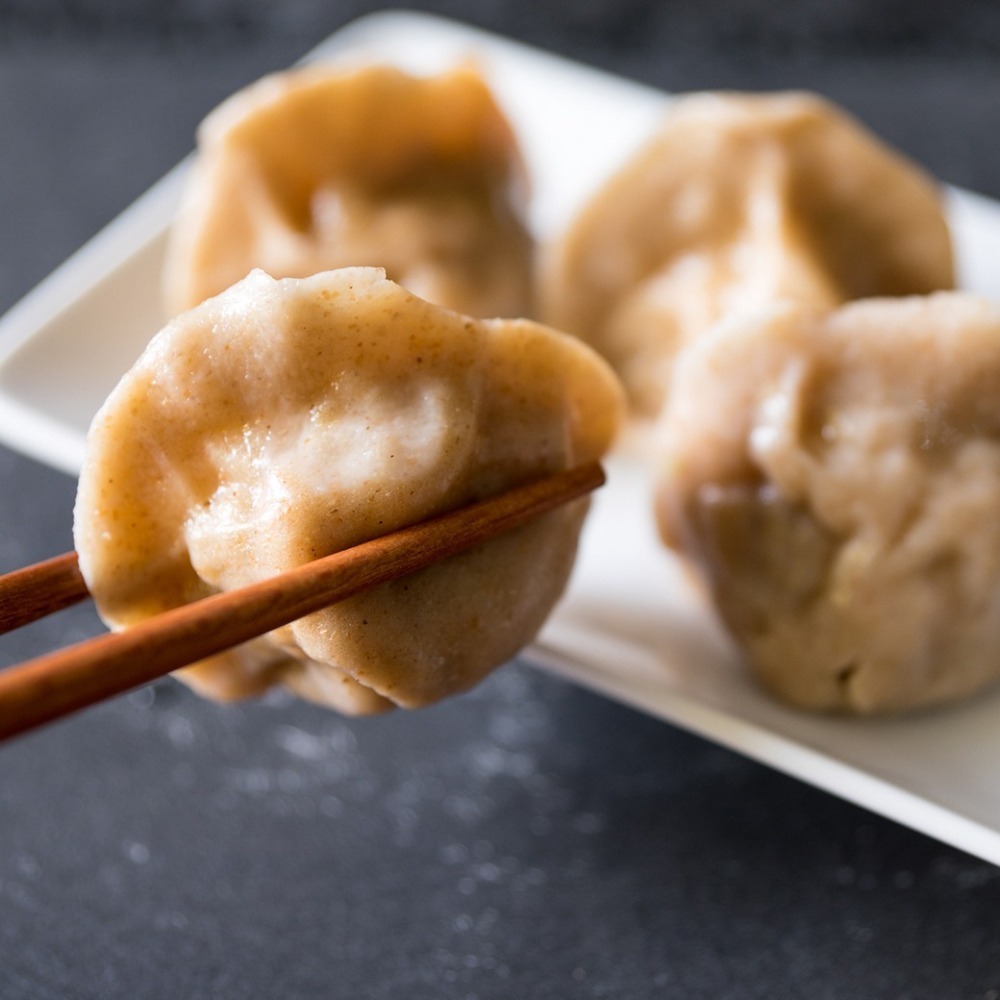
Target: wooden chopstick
{"x": 36, "y": 591}
{"x": 52, "y": 686}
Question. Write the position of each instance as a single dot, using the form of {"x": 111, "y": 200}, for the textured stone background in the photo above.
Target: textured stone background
{"x": 609, "y": 26}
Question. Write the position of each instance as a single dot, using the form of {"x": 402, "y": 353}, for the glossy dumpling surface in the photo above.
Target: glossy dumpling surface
{"x": 738, "y": 201}
{"x": 835, "y": 478}
{"x": 286, "y": 419}
{"x": 321, "y": 168}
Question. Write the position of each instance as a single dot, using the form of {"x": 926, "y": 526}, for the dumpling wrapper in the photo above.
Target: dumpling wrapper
{"x": 835, "y": 479}
{"x": 738, "y": 201}
{"x": 284, "y": 420}
{"x": 319, "y": 168}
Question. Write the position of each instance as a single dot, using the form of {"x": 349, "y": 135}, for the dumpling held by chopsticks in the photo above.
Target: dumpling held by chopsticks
{"x": 286, "y": 419}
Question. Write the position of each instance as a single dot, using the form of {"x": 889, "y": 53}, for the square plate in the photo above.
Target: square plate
{"x": 629, "y": 626}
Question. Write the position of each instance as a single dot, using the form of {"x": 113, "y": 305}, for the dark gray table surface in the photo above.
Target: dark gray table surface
{"x": 528, "y": 840}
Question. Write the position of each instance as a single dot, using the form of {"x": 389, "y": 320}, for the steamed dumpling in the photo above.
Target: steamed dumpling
{"x": 835, "y": 478}
{"x": 321, "y": 168}
{"x": 739, "y": 201}
{"x": 284, "y": 420}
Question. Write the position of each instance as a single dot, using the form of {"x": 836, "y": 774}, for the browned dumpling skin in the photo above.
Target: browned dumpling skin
{"x": 739, "y": 200}
{"x": 835, "y": 479}
{"x": 284, "y": 420}
{"x": 322, "y": 168}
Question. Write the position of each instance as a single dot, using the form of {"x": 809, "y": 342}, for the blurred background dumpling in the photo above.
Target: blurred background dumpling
{"x": 835, "y": 480}
{"x": 319, "y": 168}
{"x": 286, "y": 419}
{"x": 739, "y": 200}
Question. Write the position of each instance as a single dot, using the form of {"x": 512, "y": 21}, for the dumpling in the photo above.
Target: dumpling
{"x": 738, "y": 201}
{"x": 835, "y": 479}
{"x": 286, "y": 419}
{"x": 321, "y": 168}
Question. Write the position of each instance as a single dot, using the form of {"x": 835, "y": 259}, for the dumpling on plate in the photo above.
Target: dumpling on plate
{"x": 286, "y": 419}
{"x": 320, "y": 168}
{"x": 739, "y": 200}
{"x": 835, "y": 480}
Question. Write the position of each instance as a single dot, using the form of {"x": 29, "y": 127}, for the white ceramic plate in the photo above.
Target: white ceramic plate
{"x": 629, "y": 626}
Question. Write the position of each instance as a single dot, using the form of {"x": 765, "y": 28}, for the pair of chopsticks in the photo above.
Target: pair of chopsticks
{"x": 55, "y": 685}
